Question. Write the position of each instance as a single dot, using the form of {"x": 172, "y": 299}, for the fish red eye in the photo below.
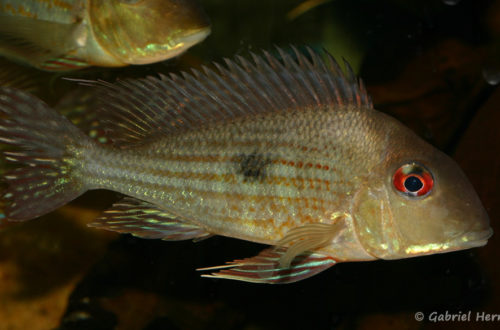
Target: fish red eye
{"x": 413, "y": 180}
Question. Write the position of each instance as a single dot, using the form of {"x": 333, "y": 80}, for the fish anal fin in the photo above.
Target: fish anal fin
{"x": 266, "y": 267}
{"x": 145, "y": 220}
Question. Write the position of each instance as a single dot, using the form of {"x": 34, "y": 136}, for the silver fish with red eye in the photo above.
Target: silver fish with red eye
{"x": 282, "y": 150}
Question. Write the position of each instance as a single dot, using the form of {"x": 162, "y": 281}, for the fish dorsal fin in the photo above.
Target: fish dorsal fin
{"x": 137, "y": 109}
{"x": 145, "y": 220}
{"x": 79, "y": 107}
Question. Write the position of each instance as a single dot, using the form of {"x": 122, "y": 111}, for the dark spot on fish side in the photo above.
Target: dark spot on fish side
{"x": 252, "y": 166}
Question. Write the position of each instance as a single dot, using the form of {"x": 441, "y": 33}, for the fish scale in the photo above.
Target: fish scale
{"x": 283, "y": 151}
{"x": 163, "y": 181}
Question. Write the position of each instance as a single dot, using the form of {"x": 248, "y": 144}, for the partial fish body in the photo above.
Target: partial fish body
{"x": 71, "y": 34}
{"x": 287, "y": 152}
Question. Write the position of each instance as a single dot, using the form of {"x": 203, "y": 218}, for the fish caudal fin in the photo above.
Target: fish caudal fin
{"x": 266, "y": 267}
{"x": 42, "y": 144}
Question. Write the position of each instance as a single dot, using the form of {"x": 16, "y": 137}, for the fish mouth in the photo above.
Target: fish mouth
{"x": 195, "y": 36}
{"x": 179, "y": 46}
{"x": 473, "y": 239}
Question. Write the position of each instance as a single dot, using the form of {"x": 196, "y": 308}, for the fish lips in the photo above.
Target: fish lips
{"x": 182, "y": 43}
{"x": 472, "y": 239}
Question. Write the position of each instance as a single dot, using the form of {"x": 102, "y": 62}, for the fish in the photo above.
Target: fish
{"x": 283, "y": 149}
{"x": 62, "y": 35}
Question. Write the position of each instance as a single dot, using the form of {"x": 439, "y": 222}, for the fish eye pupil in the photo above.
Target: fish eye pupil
{"x": 413, "y": 183}
{"x": 413, "y": 180}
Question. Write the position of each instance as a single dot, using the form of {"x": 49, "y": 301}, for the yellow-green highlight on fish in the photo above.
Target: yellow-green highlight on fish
{"x": 304, "y": 7}
{"x": 286, "y": 151}
{"x": 59, "y": 35}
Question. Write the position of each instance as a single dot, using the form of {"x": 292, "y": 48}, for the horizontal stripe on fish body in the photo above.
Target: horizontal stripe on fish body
{"x": 196, "y": 175}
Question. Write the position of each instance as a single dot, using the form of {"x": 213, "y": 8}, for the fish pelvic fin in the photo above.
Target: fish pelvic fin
{"x": 42, "y": 146}
{"x": 294, "y": 257}
{"x": 266, "y": 267}
{"x": 66, "y": 62}
{"x": 145, "y": 220}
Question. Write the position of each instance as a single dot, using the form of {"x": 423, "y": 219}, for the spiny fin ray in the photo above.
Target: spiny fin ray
{"x": 137, "y": 109}
{"x": 145, "y": 220}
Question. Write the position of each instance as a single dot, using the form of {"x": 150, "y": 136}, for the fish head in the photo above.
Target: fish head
{"x": 147, "y": 31}
{"x": 417, "y": 201}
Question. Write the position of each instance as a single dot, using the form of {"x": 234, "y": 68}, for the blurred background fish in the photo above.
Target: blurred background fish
{"x": 60, "y": 35}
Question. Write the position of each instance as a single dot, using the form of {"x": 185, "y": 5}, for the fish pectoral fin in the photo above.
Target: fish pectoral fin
{"x": 46, "y": 45}
{"x": 266, "y": 267}
{"x": 145, "y": 220}
{"x": 309, "y": 238}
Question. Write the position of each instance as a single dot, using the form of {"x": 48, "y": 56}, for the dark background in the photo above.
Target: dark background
{"x": 433, "y": 65}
